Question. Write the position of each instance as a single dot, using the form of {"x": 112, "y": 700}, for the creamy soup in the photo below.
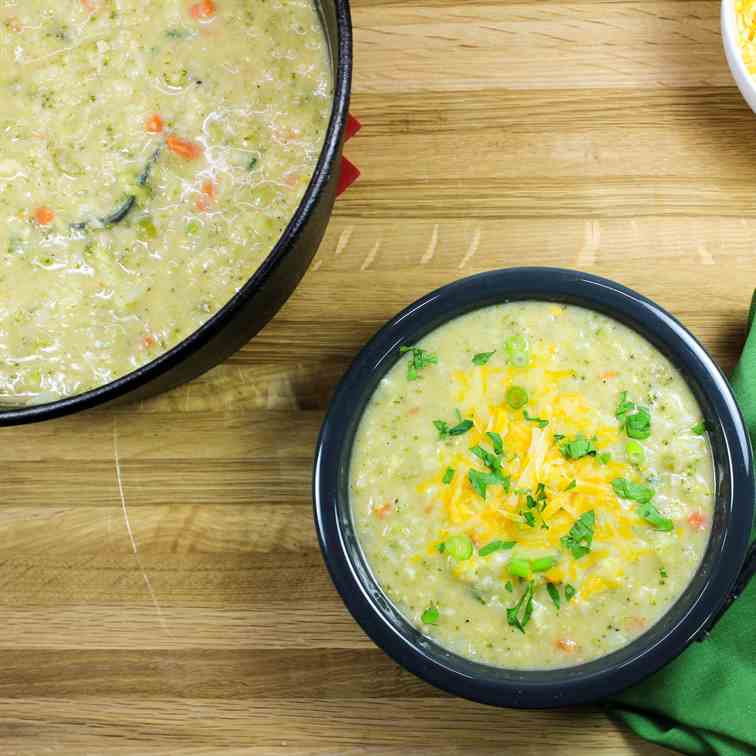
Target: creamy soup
{"x": 532, "y": 485}
{"x": 151, "y": 154}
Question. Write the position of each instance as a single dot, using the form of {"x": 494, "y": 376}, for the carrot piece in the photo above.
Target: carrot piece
{"x": 90, "y": 6}
{"x": 208, "y": 188}
{"x": 697, "y": 521}
{"x": 154, "y": 124}
{"x": 149, "y": 341}
{"x": 383, "y": 511}
{"x": 44, "y": 216}
{"x": 203, "y": 9}
{"x": 607, "y": 375}
{"x": 566, "y": 645}
{"x": 183, "y": 148}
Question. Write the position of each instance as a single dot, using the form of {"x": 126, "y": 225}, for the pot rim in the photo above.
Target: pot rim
{"x": 689, "y": 618}
{"x": 342, "y": 63}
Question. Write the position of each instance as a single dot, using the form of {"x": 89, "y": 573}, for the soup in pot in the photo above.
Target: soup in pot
{"x": 151, "y": 154}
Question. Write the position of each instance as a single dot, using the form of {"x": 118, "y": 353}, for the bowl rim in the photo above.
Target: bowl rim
{"x": 342, "y": 64}
{"x": 606, "y": 675}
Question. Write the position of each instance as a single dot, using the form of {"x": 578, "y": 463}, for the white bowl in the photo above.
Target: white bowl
{"x": 743, "y": 78}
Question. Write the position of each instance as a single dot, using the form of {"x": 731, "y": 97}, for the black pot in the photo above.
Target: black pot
{"x": 268, "y": 288}
{"x": 723, "y": 571}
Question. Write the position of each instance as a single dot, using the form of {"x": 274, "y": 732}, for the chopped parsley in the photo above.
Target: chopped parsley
{"x": 496, "y": 442}
{"x": 448, "y": 476}
{"x": 578, "y": 540}
{"x": 445, "y": 430}
{"x": 569, "y": 592}
{"x": 654, "y": 518}
{"x": 508, "y": 586}
{"x": 497, "y": 545}
{"x": 519, "y": 615}
{"x": 430, "y": 615}
{"x": 539, "y": 421}
{"x": 418, "y": 360}
{"x": 553, "y": 592}
{"x": 635, "y": 420}
{"x": 642, "y": 494}
{"x": 639, "y": 492}
{"x": 579, "y": 447}
{"x": 482, "y": 357}
{"x": 624, "y": 407}
{"x": 700, "y": 428}
{"x": 481, "y": 480}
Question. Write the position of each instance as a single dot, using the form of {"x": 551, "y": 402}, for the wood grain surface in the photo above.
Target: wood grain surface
{"x": 162, "y": 589}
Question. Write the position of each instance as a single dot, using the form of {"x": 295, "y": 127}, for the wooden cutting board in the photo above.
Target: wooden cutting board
{"x": 162, "y": 589}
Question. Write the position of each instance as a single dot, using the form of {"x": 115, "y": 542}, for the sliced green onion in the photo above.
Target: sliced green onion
{"x": 516, "y": 397}
{"x": 519, "y": 359}
{"x": 496, "y": 545}
{"x": 448, "y": 476}
{"x": 482, "y": 358}
{"x": 459, "y": 547}
{"x": 635, "y": 453}
{"x": 569, "y": 592}
{"x": 543, "y": 563}
{"x": 519, "y": 567}
{"x": 516, "y": 343}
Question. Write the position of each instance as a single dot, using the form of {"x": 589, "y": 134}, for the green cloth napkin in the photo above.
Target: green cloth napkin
{"x": 704, "y": 702}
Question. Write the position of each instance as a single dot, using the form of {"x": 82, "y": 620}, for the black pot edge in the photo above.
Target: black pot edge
{"x": 322, "y": 182}
{"x": 607, "y": 675}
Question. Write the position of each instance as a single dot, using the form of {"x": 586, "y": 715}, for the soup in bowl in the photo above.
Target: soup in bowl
{"x": 525, "y": 484}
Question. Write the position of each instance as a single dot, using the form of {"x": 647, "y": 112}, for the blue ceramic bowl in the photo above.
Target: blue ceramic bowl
{"x": 725, "y": 568}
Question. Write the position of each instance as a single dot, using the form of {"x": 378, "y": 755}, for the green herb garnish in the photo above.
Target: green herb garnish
{"x": 539, "y": 421}
{"x": 430, "y": 615}
{"x": 700, "y": 428}
{"x": 526, "y": 604}
{"x": 578, "y": 540}
{"x": 543, "y": 564}
{"x": 639, "y": 425}
{"x": 553, "y": 592}
{"x": 635, "y": 420}
{"x": 519, "y": 567}
{"x": 516, "y": 397}
{"x": 654, "y": 518}
{"x": 448, "y": 476}
{"x": 624, "y": 406}
{"x": 639, "y": 492}
{"x": 508, "y": 586}
{"x": 496, "y": 545}
{"x": 481, "y": 480}
{"x": 459, "y": 547}
{"x": 662, "y": 572}
{"x": 445, "y": 430}
{"x": 529, "y": 518}
{"x": 604, "y": 459}
{"x": 569, "y": 592}
{"x": 579, "y": 447}
{"x": 635, "y": 453}
{"x": 572, "y": 484}
{"x": 482, "y": 357}
{"x": 418, "y": 360}
{"x": 496, "y": 442}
